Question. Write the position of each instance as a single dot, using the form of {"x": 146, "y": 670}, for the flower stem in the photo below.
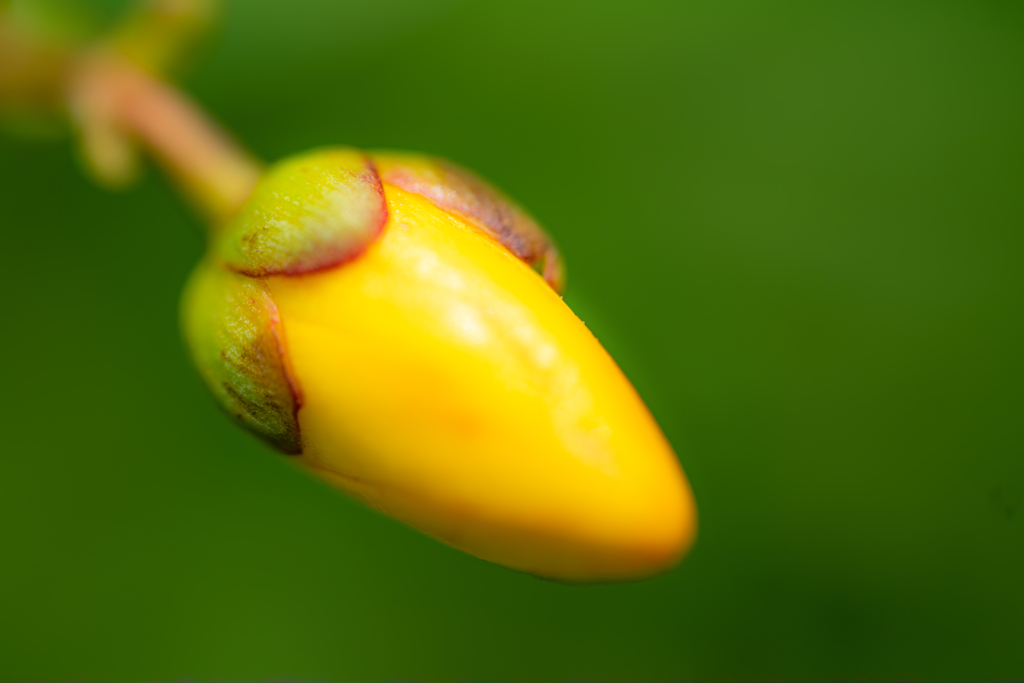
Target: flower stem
{"x": 115, "y": 103}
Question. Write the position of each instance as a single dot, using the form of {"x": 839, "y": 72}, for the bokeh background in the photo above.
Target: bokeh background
{"x": 799, "y": 227}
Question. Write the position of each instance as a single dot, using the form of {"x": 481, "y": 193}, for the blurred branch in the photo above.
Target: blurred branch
{"x": 159, "y": 35}
{"x": 115, "y": 97}
{"x": 114, "y": 103}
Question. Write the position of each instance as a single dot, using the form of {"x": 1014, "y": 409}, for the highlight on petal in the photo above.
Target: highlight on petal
{"x": 234, "y": 333}
{"x": 449, "y": 387}
{"x": 453, "y": 188}
{"x": 308, "y": 213}
{"x": 442, "y": 382}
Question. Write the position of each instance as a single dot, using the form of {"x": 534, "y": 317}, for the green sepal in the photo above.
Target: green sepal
{"x": 308, "y": 213}
{"x": 235, "y": 336}
{"x": 451, "y": 187}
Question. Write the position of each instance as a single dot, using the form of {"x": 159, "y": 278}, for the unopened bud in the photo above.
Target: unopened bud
{"x": 380, "y": 318}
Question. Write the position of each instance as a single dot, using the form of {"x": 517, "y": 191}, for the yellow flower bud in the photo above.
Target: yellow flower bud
{"x": 433, "y": 374}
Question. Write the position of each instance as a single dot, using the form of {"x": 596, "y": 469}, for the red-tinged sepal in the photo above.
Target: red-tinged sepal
{"x": 235, "y": 336}
{"x": 308, "y": 213}
{"x": 453, "y": 188}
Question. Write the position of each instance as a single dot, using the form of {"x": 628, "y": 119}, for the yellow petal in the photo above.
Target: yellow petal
{"x": 447, "y": 385}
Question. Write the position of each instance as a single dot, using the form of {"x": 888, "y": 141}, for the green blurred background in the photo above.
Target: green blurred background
{"x": 799, "y": 227}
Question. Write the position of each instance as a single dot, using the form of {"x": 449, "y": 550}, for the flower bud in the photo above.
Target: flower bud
{"x": 379, "y": 317}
